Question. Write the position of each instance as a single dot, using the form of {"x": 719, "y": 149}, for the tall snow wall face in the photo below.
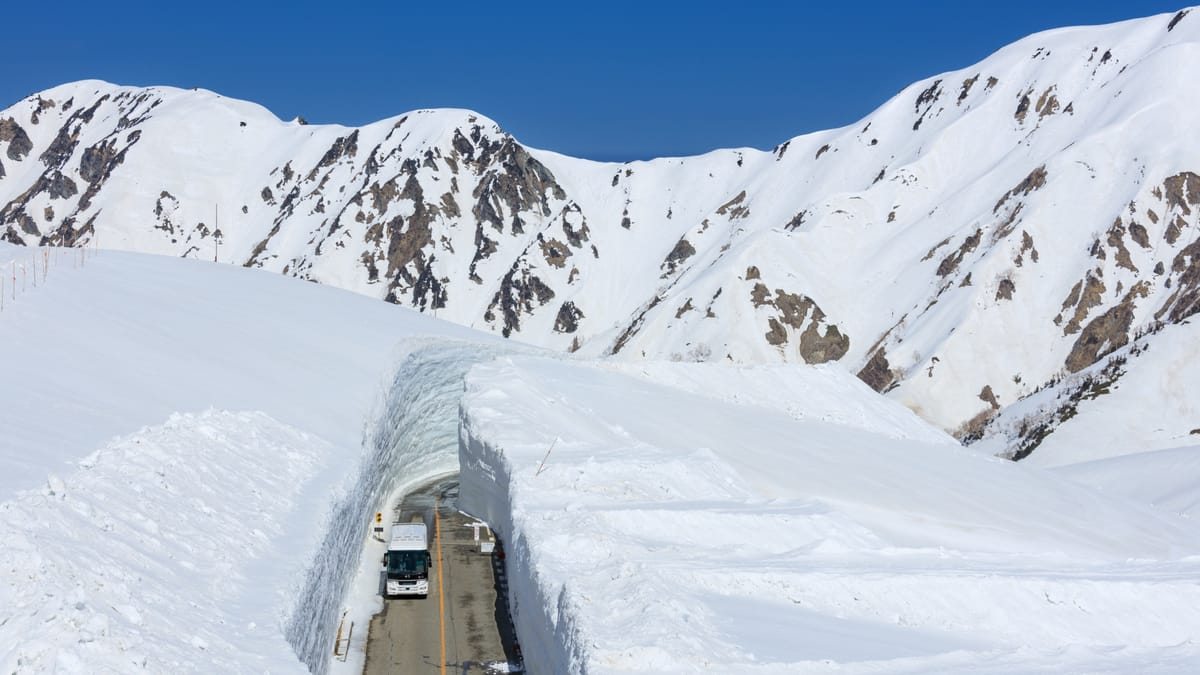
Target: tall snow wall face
{"x": 545, "y": 628}
{"x": 413, "y": 440}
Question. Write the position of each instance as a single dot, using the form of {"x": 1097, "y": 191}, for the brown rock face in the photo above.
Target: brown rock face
{"x": 678, "y": 255}
{"x": 1036, "y": 179}
{"x": 1181, "y": 190}
{"x": 519, "y": 291}
{"x": 951, "y": 262}
{"x": 1005, "y": 289}
{"x": 802, "y": 314}
{"x": 1186, "y": 300}
{"x": 1083, "y": 297}
{"x": 568, "y": 318}
{"x": 877, "y": 372}
{"x": 1107, "y": 332}
{"x": 555, "y": 252}
{"x": 816, "y": 348}
{"x": 18, "y": 141}
{"x": 987, "y": 396}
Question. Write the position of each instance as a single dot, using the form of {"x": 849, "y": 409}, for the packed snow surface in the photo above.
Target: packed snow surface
{"x": 720, "y": 523}
{"x": 161, "y": 551}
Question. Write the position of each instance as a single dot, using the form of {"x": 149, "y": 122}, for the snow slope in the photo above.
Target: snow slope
{"x": 162, "y": 550}
{"x": 975, "y": 237}
{"x": 695, "y": 529}
{"x": 1168, "y": 479}
{"x": 191, "y": 452}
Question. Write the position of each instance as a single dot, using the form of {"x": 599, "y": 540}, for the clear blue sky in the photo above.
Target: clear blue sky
{"x": 607, "y": 80}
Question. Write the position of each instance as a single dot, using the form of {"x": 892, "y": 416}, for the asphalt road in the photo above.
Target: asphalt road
{"x": 463, "y": 626}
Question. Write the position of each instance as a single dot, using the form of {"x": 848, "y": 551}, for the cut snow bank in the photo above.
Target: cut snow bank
{"x": 214, "y": 541}
{"x": 670, "y": 530}
{"x": 414, "y": 441}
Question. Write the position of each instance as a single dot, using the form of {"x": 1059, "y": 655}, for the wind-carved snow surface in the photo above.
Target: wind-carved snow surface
{"x": 712, "y": 529}
{"x": 160, "y": 552}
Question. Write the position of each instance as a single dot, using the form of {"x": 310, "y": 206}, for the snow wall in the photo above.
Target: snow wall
{"x": 545, "y": 628}
{"x": 413, "y": 440}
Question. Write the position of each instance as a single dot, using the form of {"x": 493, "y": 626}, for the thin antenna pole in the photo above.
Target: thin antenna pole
{"x": 543, "y": 464}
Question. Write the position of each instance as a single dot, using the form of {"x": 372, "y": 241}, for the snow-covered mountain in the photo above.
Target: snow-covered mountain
{"x": 987, "y": 234}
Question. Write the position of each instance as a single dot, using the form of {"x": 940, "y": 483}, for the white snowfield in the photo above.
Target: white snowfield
{"x": 146, "y": 529}
{"x": 191, "y": 454}
{"x": 716, "y": 530}
{"x": 165, "y": 550}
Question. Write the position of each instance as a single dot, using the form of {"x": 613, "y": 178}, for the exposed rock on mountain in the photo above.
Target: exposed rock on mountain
{"x": 992, "y": 229}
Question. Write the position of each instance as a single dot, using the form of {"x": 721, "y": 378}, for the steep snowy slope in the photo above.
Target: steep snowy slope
{"x": 1142, "y": 398}
{"x": 979, "y": 235}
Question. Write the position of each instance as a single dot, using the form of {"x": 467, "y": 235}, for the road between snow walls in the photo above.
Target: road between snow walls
{"x": 414, "y": 439}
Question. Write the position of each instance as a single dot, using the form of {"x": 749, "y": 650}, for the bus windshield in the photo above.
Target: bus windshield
{"x": 406, "y": 562}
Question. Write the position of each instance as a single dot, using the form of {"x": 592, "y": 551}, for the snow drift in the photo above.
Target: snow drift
{"x": 678, "y": 531}
{"x": 200, "y": 538}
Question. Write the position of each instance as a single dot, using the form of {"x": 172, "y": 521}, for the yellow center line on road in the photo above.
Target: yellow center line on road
{"x": 437, "y": 535}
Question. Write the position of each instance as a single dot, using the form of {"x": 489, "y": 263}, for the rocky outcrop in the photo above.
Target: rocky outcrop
{"x": 890, "y": 231}
{"x": 19, "y": 145}
{"x": 815, "y": 340}
{"x": 1107, "y": 332}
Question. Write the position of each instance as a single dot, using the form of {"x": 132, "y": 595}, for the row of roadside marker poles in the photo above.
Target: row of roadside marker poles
{"x": 23, "y": 273}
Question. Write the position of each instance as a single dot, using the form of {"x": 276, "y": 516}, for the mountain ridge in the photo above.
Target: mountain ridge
{"x": 922, "y": 247}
